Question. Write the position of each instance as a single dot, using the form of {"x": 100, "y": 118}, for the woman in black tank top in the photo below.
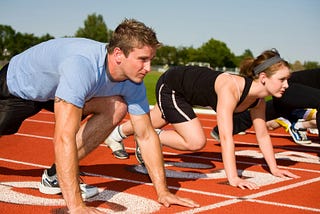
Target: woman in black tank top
{"x": 304, "y": 92}
{"x": 180, "y": 88}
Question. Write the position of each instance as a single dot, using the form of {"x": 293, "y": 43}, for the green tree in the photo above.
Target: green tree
{"x": 12, "y": 43}
{"x": 95, "y": 28}
{"x": 297, "y": 66}
{"x": 166, "y": 55}
{"x": 246, "y": 54}
{"x": 311, "y": 65}
{"x": 186, "y": 54}
{"x": 6, "y": 41}
{"x": 216, "y": 53}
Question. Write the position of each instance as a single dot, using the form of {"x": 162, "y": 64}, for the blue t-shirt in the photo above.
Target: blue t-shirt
{"x": 73, "y": 69}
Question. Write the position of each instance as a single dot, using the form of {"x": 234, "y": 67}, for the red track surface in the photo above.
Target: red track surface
{"x": 199, "y": 176}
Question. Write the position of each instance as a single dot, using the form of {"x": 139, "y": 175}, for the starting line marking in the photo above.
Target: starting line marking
{"x": 130, "y": 203}
{"x": 260, "y": 194}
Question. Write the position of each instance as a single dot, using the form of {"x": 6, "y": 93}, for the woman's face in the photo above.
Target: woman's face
{"x": 278, "y": 82}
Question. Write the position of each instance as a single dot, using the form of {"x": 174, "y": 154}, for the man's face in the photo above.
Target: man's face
{"x": 138, "y": 63}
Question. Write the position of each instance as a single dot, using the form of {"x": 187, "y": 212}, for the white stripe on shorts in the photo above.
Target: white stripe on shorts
{"x": 174, "y": 103}
{"x": 159, "y": 98}
{"x": 177, "y": 107}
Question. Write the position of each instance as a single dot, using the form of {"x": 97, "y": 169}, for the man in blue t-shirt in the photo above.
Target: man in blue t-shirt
{"x": 76, "y": 78}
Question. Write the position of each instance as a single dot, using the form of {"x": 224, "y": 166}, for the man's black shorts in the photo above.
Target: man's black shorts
{"x": 14, "y": 110}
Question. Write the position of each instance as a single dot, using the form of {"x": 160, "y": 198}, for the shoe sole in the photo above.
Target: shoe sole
{"x": 119, "y": 157}
{"x": 120, "y": 154}
{"x": 49, "y": 190}
{"x": 88, "y": 194}
{"x": 56, "y": 190}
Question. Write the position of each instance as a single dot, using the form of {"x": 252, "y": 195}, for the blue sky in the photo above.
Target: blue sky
{"x": 291, "y": 26}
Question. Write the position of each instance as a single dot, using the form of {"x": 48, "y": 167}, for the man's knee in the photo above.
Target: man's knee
{"x": 121, "y": 108}
{"x": 113, "y": 107}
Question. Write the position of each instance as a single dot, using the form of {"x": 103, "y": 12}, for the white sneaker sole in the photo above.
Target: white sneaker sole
{"x": 86, "y": 191}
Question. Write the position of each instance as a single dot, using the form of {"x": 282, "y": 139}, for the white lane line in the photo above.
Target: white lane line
{"x": 284, "y": 205}
{"x": 23, "y": 163}
{"x": 183, "y": 155}
{"x": 211, "y": 207}
{"x": 122, "y": 179}
{"x": 232, "y": 200}
{"x": 39, "y": 121}
{"x": 34, "y": 136}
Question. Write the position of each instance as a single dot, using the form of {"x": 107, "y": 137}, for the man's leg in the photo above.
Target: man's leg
{"x": 13, "y": 110}
{"x": 103, "y": 114}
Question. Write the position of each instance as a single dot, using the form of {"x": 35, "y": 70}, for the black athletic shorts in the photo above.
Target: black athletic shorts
{"x": 174, "y": 107}
{"x": 14, "y": 110}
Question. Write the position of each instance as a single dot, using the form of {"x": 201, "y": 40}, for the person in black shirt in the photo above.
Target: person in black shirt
{"x": 180, "y": 88}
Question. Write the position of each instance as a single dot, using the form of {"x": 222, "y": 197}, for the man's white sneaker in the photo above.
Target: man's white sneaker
{"x": 50, "y": 185}
{"x": 115, "y": 143}
{"x": 117, "y": 148}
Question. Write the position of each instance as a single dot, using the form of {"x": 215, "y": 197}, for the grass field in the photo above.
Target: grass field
{"x": 150, "y": 82}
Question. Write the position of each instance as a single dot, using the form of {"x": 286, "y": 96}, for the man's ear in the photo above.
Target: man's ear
{"x": 118, "y": 54}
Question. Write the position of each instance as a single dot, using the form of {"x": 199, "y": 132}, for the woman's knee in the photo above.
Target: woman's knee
{"x": 196, "y": 144}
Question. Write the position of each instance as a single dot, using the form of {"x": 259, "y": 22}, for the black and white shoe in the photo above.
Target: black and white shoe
{"x": 50, "y": 185}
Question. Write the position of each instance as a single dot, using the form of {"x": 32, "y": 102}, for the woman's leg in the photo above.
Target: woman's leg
{"x": 187, "y": 136}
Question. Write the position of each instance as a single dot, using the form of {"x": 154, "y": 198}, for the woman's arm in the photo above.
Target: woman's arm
{"x": 227, "y": 100}
{"x": 264, "y": 140}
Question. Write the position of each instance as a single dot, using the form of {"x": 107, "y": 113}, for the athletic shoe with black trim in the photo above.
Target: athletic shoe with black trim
{"x": 117, "y": 148}
{"x": 299, "y": 136}
{"x": 215, "y": 135}
{"x": 138, "y": 153}
{"x": 50, "y": 185}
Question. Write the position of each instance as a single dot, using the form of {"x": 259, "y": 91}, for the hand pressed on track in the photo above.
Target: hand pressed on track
{"x": 243, "y": 184}
{"x": 283, "y": 173}
{"x": 168, "y": 199}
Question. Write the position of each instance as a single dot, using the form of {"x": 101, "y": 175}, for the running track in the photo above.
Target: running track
{"x": 125, "y": 188}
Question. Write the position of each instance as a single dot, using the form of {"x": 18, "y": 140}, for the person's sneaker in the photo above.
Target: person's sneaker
{"x": 138, "y": 153}
{"x": 215, "y": 135}
{"x": 241, "y": 133}
{"x": 313, "y": 131}
{"x": 117, "y": 148}
{"x": 299, "y": 136}
{"x": 49, "y": 185}
{"x": 286, "y": 124}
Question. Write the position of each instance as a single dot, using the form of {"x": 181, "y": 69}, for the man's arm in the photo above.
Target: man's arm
{"x": 152, "y": 155}
{"x": 68, "y": 118}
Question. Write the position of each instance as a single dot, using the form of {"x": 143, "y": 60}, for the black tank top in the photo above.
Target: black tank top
{"x": 196, "y": 85}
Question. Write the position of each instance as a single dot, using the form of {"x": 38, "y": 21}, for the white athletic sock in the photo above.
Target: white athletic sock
{"x": 117, "y": 134}
{"x": 121, "y": 132}
{"x": 299, "y": 125}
